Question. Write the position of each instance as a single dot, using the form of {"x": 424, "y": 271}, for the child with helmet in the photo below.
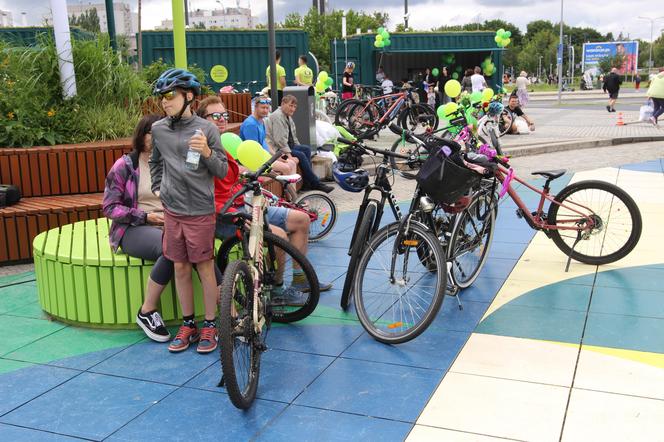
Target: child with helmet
{"x": 186, "y": 156}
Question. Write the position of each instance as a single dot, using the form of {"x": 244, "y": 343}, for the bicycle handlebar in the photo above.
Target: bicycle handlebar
{"x": 253, "y": 177}
{"x": 373, "y": 149}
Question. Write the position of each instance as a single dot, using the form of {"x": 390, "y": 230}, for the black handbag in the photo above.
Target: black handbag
{"x": 9, "y": 195}
{"x": 445, "y": 179}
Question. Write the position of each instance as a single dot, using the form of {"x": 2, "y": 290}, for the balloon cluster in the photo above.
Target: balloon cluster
{"x": 382, "y": 38}
{"x": 502, "y": 37}
{"x": 249, "y": 152}
{"x": 488, "y": 67}
{"x": 466, "y": 104}
{"x": 323, "y": 82}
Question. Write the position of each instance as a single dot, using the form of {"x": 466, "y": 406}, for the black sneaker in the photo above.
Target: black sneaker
{"x": 153, "y": 326}
{"x": 322, "y": 187}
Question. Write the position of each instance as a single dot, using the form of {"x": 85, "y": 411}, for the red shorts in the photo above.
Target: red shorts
{"x": 347, "y": 95}
{"x": 188, "y": 238}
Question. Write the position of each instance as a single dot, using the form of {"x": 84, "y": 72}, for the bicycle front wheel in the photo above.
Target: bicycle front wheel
{"x": 615, "y": 216}
{"x": 396, "y": 302}
{"x": 285, "y": 269}
{"x": 323, "y": 214}
{"x": 359, "y": 243}
{"x": 470, "y": 240}
{"x": 240, "y": 346}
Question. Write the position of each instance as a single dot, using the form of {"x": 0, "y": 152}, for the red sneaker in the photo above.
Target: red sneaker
{"x": 185, "y": 336}
{"x": 208, "y": 341}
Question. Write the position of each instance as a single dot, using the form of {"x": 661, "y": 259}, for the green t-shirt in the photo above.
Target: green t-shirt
{"x": 306, "y": 74}
{"x": 281, "y": 72}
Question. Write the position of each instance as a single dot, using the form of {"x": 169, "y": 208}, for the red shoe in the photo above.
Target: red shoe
{"x": 185, "y": 336}
{"x": 208, "y": 341}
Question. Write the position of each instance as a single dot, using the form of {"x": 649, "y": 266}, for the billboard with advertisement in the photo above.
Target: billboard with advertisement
{"x": 594, "y": 52}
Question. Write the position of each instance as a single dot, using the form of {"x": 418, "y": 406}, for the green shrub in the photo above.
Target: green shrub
{"x": 33, "y": 112}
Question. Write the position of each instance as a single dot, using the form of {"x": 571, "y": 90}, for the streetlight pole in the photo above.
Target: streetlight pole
{"x": 405, "y": 15}
{"x": 652, "y": 24}
{"x": 539, "y": 68}
{"x": 560, "y": 56}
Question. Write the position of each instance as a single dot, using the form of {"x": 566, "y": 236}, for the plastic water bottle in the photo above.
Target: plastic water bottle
{"x": 193, "y": 157}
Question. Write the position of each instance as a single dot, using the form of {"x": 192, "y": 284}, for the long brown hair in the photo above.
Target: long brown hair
{"x": 143, "y": 128}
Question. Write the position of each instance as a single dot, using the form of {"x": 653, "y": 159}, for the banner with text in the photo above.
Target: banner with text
{"x": 594, "y": 52}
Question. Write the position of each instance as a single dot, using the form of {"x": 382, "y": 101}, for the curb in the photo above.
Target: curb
{"x": 575, "y": 145}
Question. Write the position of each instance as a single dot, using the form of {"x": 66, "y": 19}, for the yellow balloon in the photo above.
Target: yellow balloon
{"x": 453, "y": 88}
{"x": 487, "y": 94}
{"x": 450, "y": 108}
{"x": 252, "y": 155}
{"x": 322, "y": 76}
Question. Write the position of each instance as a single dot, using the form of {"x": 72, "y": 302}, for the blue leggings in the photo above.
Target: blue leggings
{"x": 145, "y": 242}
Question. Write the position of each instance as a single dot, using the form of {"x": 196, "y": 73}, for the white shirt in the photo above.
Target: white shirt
{"x": 522, "y": 83}
{"x": 387, "y": 86}
{"x": 478, "y": 82}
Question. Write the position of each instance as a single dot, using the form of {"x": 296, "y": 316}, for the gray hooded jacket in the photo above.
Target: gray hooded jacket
{"x": 184, "y": 191}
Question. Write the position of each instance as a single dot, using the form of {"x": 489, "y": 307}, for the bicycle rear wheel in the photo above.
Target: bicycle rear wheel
{"x": 359, "y": 242}
{"x": 324, "y": 211}
{"x": 470, "y": 240}
{"x": 406, "y": 148}
{"x": 283, "y": 266}
{"x": 616, "y": 217}
{"x": 418, "y": 119}
{"x": 240, "y": 346}
{"x": 363, "y": 119}
{"x": 395, "y": 308}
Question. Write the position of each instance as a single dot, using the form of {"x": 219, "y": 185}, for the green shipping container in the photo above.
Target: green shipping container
{"x": 243, "y": 53}
{"x": 28, "y": 36}
{"x": 411, "y": 53}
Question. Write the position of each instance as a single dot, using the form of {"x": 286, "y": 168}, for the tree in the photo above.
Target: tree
{"x": 199, "y": 25}
{"x": 544, "y": 44}
{"x": 534, "y": 27}
{"x": 324, "y": 28}
{"x": 89, "y": 21}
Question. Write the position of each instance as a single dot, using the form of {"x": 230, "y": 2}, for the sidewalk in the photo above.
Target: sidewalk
{"x": 582, "y": 128}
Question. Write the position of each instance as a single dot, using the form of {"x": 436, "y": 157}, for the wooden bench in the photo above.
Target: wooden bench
{"x": 60, "y": 185}
{"x": 81, "y": 281}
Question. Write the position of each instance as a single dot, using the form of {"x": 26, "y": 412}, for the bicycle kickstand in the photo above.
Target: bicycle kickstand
{"x": 569, "y": 257}
{"x": 453, "y": 290}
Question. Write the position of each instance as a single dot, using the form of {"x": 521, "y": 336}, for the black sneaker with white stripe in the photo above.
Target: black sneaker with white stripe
{"x": 153, "y": 326}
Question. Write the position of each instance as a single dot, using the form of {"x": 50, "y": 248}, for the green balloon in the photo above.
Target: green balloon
{"x": 455, "y": 75}
{"x": 380, "y": 30}
{"x": 387, "y": 42}
{"x": 508, "y": 34}
{"x": 435, "y": 72}
{"x": 329, "y": 82}
{"x": 459, "y": 69}
{"x": 230, "y": 142}
{"x": 476, "y": 97}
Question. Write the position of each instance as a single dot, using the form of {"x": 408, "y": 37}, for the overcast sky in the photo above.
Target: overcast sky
{"x": 605, "y": 15}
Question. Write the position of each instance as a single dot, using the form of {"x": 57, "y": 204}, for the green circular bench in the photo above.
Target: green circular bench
{"x": 81, "y": 281}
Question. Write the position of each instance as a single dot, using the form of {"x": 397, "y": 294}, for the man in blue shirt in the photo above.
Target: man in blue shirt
{"x": 253, "y": 128}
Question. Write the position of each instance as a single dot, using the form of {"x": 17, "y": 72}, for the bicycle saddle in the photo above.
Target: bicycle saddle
{"x": 551, "y": 174}
{"x": 291, "y": 179}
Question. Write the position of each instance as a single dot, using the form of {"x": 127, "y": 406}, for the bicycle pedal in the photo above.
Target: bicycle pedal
{"x": 519, "y": 213}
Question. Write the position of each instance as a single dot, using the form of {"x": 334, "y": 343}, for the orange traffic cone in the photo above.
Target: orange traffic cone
{"x": 620, "y": 121}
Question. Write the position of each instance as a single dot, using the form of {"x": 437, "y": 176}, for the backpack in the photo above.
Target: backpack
{"x": 9, "y": 195}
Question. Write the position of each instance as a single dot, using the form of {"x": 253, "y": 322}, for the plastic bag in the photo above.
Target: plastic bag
{"x": 521, "y": 126}
{"x": 645, "y": 112}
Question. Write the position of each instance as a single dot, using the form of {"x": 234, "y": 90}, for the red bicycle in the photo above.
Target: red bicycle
{"x": 321, "y": 209}
{"x": 366, "y": 118}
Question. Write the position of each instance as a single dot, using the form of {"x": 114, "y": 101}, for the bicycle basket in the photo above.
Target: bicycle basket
{"x": 444, "y": 180}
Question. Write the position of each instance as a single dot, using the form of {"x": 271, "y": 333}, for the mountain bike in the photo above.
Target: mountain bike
{"x": 255, "y": 290}
{"x": 371, "y": 210}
